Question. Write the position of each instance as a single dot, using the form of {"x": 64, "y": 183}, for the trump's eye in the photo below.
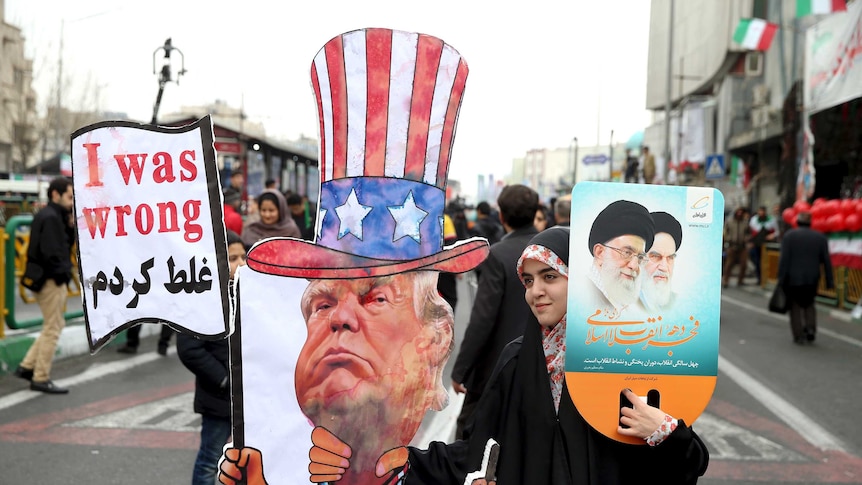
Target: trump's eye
{"x": 376, "y": 297}
{"x": 321, "y": 306}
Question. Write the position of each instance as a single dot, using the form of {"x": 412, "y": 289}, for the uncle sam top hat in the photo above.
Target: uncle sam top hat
{"x": 388, "y": 104}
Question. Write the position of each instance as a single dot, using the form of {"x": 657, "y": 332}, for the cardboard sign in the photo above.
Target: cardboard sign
{"x": 151, "y": 235}
{"x": 644, "y": 299}
{"x": 345, "y": 338}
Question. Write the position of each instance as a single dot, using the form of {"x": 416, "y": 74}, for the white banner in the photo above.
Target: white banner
{"x": 692, "y": 134}
{"x": 151, "y": 237}
{"x": 833, "y": 70}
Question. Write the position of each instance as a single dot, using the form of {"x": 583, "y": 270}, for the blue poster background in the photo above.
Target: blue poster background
{"x": 682, "y": 340}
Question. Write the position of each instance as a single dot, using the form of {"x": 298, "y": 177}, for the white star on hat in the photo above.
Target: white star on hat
{"x": 407, "y": 217}
{"x": 350, "y": 216}
{"x": 321, "y": 214}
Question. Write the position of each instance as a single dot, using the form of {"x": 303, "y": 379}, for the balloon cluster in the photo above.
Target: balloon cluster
{"x": 828, "y": 215}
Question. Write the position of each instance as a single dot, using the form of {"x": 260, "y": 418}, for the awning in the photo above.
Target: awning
{"x": 748, "y": 141}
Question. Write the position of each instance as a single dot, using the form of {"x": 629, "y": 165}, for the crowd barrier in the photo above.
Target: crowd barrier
{"x": 16, "y": 239}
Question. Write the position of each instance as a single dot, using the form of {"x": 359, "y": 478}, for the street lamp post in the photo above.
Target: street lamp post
{"x": 165, "y": 73}
{"x": 574, "y": 165}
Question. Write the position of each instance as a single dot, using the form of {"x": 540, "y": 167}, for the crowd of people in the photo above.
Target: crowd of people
{"x": 745, "y": 236}
{"x": 501, "y": 354}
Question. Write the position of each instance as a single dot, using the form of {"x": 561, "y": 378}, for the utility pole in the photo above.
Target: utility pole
{"x": 574, "y": 171}
{"x": 668, "y": 100}
{"x": 611, "y": 159}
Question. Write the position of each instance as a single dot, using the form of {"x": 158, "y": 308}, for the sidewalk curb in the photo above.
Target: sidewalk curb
{"x": 73, "y": 342}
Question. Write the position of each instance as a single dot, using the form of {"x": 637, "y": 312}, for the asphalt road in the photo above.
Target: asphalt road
{"x": 780, "y": 414}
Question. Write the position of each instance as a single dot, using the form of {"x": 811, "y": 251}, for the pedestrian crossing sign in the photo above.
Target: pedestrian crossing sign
{"x": 715, "y": 166}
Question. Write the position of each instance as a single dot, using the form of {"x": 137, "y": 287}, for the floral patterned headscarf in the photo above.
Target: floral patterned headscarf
{"x": 553, "y": 339}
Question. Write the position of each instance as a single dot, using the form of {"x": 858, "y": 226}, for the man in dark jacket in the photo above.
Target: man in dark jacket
{"x": 51, "y": 237}
{"x": 803, "y": 251}
{"x": 487, "y": 226}
{"x": 208, "y": 360}
{"x": 499, "y": 310}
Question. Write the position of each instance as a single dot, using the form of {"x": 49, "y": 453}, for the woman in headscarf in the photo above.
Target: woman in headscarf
{"x": 275, "y": 220}
{"x": 527, "y": 408}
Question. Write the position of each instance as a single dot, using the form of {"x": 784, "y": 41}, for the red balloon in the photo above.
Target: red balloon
{"x": 848, "y": 206}
{"x": 819, "y": 224}
{"x": 801, "y": 206}
{"x": 832, "y": 207}
{"x": 817, "y": 211}
{"x": 789, "y": 215}
{"x": 835, "y": 223}
{"x": 853, "y": 223}
{"x": 820, "y": 200}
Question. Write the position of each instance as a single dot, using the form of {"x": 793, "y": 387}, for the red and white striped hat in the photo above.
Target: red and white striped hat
{"x": 388, "y": 103}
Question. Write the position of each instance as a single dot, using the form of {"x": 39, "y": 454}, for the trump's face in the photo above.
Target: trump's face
{"x": 368, "y": 354}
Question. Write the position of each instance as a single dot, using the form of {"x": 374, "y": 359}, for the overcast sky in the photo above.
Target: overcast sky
{"x": 541, "y": 72}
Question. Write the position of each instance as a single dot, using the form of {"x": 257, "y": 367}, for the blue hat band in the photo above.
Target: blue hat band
{"x": 382, "y": 217}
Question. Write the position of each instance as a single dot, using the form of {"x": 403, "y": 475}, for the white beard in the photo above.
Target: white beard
{"x": 620, "y": 291}
{"x": 658, "y": 293}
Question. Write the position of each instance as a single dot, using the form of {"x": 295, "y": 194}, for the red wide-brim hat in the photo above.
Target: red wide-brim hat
{"x": 304, "y": 259}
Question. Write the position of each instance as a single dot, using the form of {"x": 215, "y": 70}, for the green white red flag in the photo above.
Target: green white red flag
{"x": 754, "y": 34}
{"x": 819, "y": 7}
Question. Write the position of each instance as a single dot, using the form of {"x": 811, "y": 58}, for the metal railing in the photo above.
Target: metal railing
{"x": 16, "y": 239}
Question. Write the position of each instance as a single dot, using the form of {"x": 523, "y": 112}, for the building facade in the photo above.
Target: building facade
{"x": 18, "y": 117}
{"x": 751, "y": 98}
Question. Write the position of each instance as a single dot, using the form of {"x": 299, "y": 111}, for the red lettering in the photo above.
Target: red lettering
{"x": 164, "y": 171}
{"x": 100, "y": 223}
{"x": 168, "y": 217}
{"x": 191, "y": 211}
{"x": 144, "y": 227}
{"x": 122, "y": 211}
{"x": 135, "y": 164}
{"x": 145, "y": 220}
{"x": 187, "y": 163}
{"x": 93, "y": 164}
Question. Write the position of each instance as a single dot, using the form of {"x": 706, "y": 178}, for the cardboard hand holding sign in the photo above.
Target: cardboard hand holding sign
{"x": 644, "y": 312}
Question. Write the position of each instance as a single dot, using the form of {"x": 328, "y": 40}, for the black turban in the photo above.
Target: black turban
{"x": 620, "y": 218}
{"x": 665, "y": 222}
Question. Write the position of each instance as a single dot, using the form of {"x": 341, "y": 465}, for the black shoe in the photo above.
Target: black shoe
{"x": 125, "y": 349}
{"x": 48, "y": 387}
{"x": 163, "y": 349}
{"x": 810, "y": 336}
{"x": 26, "y": 374}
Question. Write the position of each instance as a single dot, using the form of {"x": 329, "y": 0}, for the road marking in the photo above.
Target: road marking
{"x": 761, "y": 311}
{"x": 174, "y": 413}
{"x": 792, "y": 416}
{"x": 728, "y": 441}
{"x": 95, "y": 371}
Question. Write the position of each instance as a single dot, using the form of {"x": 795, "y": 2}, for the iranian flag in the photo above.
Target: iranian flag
{"x": 815, "y": 7}
{"x": 754, "y": 34}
